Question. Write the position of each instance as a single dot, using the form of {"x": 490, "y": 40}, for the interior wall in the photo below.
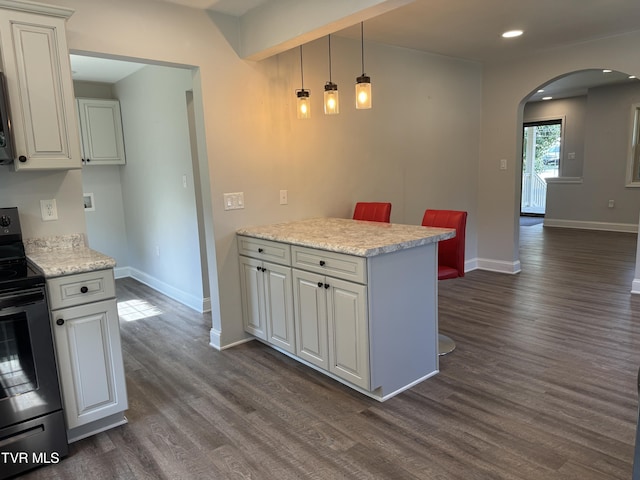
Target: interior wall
{"x": 106, "y": 230}
{"x": 505, "y": 86}
{"x": 158, "y": 184}
{"x": 417, "y": 147}
{"x": 598, "y": 129}
{"x": 25, "y": 190}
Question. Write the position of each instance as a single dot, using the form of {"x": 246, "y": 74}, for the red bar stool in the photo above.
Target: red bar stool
{"x": 450, "y": 255}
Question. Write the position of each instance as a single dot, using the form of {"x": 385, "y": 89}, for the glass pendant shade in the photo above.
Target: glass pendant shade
{"x": 331, "y": 99}
{"x": 363, "y": 92}
{"x": 363, "y": 82}
{"x": 304, "y": 104}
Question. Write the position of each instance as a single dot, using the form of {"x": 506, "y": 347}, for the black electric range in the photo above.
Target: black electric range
{"x": 32, "y": 428}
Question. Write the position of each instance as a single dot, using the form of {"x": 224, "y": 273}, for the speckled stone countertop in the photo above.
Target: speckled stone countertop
{"x": 353, "y": 237}
{"x": 65, "y": 255}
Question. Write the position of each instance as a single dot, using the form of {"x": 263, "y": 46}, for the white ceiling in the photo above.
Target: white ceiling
{"x": 471, "y": 29}
{"x": 94, "y": 69}
{"x": 468, "y": 29}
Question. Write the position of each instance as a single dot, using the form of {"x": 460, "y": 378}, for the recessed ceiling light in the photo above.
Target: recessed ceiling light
{"x": 512, "y": 33}
{"x": 606, "y": 70}
{"x": 541, "y": 90}
{"x": 632, "y": 76}
{"x": 547, "y": 98}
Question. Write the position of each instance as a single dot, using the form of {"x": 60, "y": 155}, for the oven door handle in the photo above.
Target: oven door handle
{"x": 19, "y": 299}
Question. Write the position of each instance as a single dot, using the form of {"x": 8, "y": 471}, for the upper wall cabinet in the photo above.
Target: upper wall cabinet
{"x": 35, "y": 62}
{"x": 101, "y": 132}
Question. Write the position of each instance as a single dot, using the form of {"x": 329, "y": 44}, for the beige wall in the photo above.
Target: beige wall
{"x": 418, "y": 146}
{"x": 504, "y": 88}
{"x": 598, "y": 130}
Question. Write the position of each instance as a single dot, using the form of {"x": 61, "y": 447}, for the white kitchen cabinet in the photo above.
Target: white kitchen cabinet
{"x": 365, "y": 316}
{"x": 87, "y": 338}
{"x": 101, "y": 131}
{"x": 332, "y": 325}
{"x": 310, "y": 307}
{"x": 348, "y": 331}
{"x": 35, "y": 62}
{"x": 267, "y": 302}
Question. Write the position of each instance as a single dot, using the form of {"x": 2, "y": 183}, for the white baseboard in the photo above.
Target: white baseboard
{"x": 214, "y": 338}
{"x": 605, "y": 226}
{"x": 121, "y": 272}
{"x": 199, "y": 304}
{"x": 499, "y": 266}
{"x": 635, "y": 286}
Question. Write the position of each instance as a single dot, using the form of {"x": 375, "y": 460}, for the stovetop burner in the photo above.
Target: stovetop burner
{"x": 15, "y": 271}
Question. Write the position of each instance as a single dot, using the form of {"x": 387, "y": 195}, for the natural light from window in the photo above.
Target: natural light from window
{"x": 136, "y": 309}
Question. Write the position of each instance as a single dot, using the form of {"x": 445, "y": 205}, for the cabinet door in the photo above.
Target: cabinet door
{"x": 279, "y": 306}
{"x": 35, "y": 60}
{"x": 310, "y": 304}
{"x": 252, "y": 292}
{"x": 101, "y": 132}
{"x": 348, "y": 331}
{"x": 90, "y": 362}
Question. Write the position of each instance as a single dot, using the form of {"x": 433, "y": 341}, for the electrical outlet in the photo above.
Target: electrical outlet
{"x": 48, "y": 210}
{"x": 612, "y": 203}
{"x": 503, "y": 164}
{"x": 284, "y": 199}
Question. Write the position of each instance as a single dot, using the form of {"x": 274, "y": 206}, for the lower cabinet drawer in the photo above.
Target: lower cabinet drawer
{"x": 338, "y": 265}
{"x": 81, "y": 288}
{"x": 276, "y": 252}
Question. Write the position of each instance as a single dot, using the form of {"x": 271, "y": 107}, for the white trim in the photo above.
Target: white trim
{"x": 557, "y": 180}
{"x": 380, "y": 398}
{"x": 630, "y": 181}
{"x": 605, "y": 226}
{"x": 191, "y": 301}
{"x": 470, "y": 265}
{"x": 34, "y": 7}
{"x": 214, "y": 338}
{"x": 499, "y": 266}
{"x": 97, "y": 426}
{"x": 635, "y": 286}
{"x": 121, "y": 272}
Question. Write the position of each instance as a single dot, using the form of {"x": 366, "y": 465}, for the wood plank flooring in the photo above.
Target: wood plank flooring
{"x": 542, "y": 385}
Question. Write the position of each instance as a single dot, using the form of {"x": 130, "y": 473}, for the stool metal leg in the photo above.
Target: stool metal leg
{"x": 445, "y": 344}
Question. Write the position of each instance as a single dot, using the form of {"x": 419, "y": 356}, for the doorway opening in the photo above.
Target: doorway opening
{"x": 541, "y": 157}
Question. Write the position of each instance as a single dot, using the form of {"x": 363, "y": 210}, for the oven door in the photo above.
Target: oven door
{"x": 28, "y": 373}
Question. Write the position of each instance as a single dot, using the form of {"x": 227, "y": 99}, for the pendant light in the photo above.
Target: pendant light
{"x": 331, "y": 98}
{"x": 303, "y": 102}
{"x": 363, "y": 82}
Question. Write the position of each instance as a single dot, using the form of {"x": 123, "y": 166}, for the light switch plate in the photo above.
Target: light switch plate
{"x": 233, "y": 201}
{"x": 284, "y": 198}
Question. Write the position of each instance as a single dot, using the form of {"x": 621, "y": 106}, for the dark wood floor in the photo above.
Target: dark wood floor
{"x": 541, "y": 386}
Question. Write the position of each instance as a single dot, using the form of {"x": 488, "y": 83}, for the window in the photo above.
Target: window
{"x": 633, "y": 166}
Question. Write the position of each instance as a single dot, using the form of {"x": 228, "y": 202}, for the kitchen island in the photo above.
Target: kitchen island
{"x": 355, "y": 300}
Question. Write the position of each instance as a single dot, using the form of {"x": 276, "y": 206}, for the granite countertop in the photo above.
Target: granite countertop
{"x": 353, "y": 237}
{"x": 65, "y": 255}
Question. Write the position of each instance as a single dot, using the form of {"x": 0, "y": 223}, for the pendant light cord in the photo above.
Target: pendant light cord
{"x": 301, "y": 70}
{"x": 362, "y": 44}
{"x": 330, "y": 59}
